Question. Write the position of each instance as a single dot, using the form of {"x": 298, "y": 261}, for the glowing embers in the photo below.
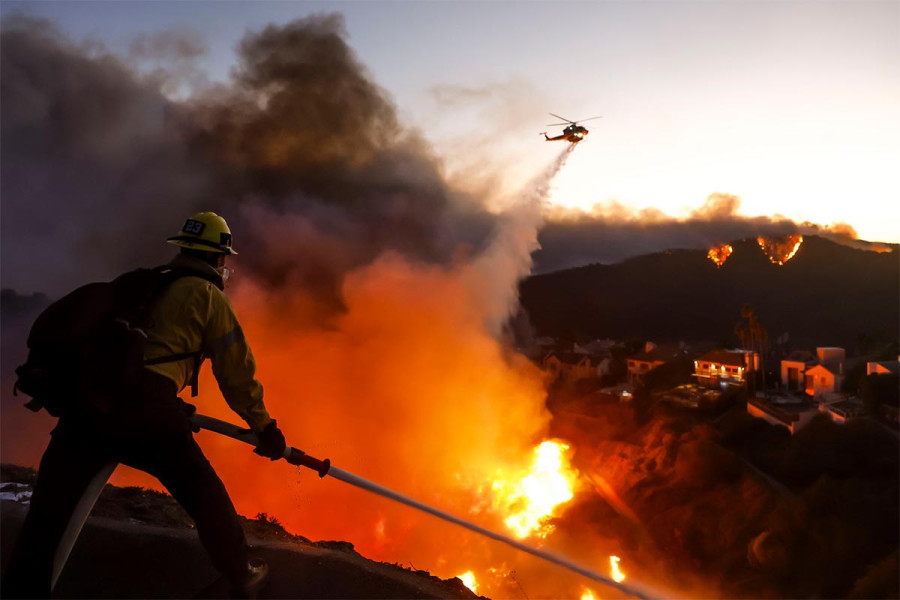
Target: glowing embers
{"x": 529, "y": 502}
{"x": 719, "y": 254}
{"x": 468, "y": 579}
{"x": 780, "y": 249}
{"x": 614, "y": 571}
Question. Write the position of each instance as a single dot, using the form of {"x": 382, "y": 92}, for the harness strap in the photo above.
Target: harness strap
{"x": 198, "y": 360}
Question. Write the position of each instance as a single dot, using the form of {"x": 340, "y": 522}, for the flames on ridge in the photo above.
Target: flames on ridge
{"x": 719, "y": 254}
{"x": 780, "y": 249}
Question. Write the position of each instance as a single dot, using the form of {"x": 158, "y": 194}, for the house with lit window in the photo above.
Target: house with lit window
{"x": 725, "y": 368}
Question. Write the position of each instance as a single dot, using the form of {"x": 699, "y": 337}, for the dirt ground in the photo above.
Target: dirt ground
{"x": 136, "y": 544}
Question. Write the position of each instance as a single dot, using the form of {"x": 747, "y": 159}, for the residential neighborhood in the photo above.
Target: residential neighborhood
{"x": 787, "y": 392}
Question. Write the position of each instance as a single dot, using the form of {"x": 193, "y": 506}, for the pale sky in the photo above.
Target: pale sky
{"x": 793, "y": 106}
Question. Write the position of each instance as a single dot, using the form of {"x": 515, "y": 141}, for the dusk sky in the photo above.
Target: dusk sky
{"x": 792, "y": 106}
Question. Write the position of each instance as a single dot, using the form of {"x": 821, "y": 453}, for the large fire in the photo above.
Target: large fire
{"x": 530, "y": 501}
{"x": 405, "y": 388}
{"x": 719, "y": 254}
{"x": 780, "y": 249}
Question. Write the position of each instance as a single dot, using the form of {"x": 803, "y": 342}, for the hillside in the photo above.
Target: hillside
{"x": 827, "y": 294}
{"x": 141, "y": 544}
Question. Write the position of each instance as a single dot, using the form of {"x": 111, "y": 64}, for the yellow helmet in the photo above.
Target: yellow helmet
{"x": 205, "y": 231}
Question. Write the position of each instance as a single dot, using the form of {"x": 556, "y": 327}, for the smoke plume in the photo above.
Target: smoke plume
{"x": 372, "y": 292}
{"x": 95, "y": 154}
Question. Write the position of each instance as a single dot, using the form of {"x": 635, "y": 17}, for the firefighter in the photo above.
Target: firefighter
{"x": 151, "y": 431}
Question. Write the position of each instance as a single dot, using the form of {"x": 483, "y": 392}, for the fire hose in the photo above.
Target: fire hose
{"x": 324, "y": 467}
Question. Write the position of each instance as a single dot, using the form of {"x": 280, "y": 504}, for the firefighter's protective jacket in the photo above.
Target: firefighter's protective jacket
{"x": 194, "y": 314}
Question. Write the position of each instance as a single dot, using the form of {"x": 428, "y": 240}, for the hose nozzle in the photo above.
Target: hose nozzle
{"x": 302, "y": 459}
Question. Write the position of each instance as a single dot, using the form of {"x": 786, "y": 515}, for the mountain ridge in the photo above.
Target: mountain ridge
{"x": 827, "y": 294}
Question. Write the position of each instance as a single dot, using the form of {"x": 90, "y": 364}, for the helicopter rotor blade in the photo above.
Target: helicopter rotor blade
{"x": 563, "y": 118}
{"x": 558, "y": 124}
{"x": 583, "y": 120}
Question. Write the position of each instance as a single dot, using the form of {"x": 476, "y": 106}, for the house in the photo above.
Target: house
{"x": 725, "y": 368}
{"x": 786, "y": 411}
{"x": 793, "y": 369}
{"x": 653, "y": 356}
{"x": 822, "y": 380}
{"x": 599, "y": 352}
{"x": 816, "y": 374}
{"x": 826, "y": 377}
{"x": 569, "y": 366}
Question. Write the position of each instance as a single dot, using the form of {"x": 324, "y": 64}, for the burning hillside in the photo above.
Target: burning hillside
{"x": 779, "y": 250}
{"x": 613, "y": 232}
{"x": 719, "y": 254}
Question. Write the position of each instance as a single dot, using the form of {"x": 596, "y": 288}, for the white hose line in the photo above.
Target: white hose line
{"x": 359, "y": 482}
{"x": 78, "y": 518}
{"x": 248, "y": 437}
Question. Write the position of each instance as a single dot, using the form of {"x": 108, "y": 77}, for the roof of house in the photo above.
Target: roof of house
{"x": 892, "y": 366}
{"x": 724, "y": 357}
{"x": 804, "y": 356}
{"x": 786, "y": 412}
{"x": 847, "y": 408}
{"x": 832, "y": 369}
{"x": 569, "y": 358}
{"x": 658, "y": 354}
{"x": 595, "y": 347}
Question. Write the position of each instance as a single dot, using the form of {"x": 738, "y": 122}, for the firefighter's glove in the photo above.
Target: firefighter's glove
{"x": 271, "y": 442}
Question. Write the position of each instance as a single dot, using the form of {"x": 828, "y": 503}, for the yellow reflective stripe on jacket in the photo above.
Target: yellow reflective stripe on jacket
{"x": 194, "y": 314}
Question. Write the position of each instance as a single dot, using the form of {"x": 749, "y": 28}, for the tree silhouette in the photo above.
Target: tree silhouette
{"x": 753, "y": 336}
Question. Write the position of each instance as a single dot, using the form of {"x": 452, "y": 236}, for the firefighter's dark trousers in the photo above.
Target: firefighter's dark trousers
{"x": 150, "y": 432}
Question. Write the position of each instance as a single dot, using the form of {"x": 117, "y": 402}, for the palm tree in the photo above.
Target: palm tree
{"x": 753, "y": 335}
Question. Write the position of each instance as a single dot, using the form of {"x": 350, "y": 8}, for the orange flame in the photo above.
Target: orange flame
{"x": 468, "y": 579}
{"x": 588, "y": 594}
{"x": 719, "y": 254}
{"x": 614, "y": 571}
{"x": 406, "y": 388}
{"x": 780, "y": 249}
{"x": 530, "y": 502}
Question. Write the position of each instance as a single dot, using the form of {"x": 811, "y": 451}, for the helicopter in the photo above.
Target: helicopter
{"x": 572, "y": 133}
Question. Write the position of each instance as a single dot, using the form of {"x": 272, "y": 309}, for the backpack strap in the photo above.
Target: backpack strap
{"x": 195, "y": 375}
{"x": 171, "y": 274}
